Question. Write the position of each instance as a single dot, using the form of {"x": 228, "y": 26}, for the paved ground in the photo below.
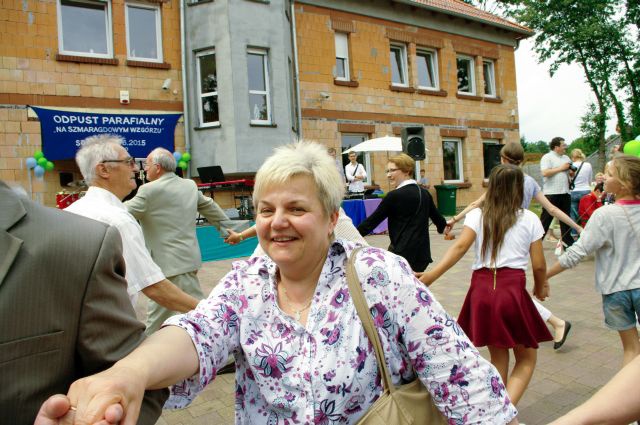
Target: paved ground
{"x": 562, "y": 379}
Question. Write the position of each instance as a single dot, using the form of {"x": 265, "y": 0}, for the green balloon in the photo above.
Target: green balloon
{"x": 48, "y": 166}
{"x": 42, "y": 161}
{"x": 632, "y": 148}
{"x": 186, "y": 157}
{"x": 182, "y": 165}
{"x": 38, "y": 155}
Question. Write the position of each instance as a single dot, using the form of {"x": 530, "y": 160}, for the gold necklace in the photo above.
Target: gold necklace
{"x": 297, "y": 312}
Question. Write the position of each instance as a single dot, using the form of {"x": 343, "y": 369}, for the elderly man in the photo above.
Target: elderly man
{"x": 554, "y": 166}
{"x": 167, "y": 208}
{"x": 64, "y": 310}
{"x": 110, "y": 172}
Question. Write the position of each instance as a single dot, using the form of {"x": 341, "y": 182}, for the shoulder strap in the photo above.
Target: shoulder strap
{"x": 357, "y": 295}
{"x": 575, "y": 176}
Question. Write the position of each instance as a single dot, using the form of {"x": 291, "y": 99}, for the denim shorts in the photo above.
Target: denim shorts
{"x": 621, "y": 309}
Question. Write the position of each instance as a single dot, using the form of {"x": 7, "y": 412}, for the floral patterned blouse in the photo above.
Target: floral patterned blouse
{"x": 326, "y": 372}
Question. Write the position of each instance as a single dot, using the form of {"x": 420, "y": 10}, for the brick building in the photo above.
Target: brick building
{"x": 79, "y": 56}
{"x": 367, "y": 69}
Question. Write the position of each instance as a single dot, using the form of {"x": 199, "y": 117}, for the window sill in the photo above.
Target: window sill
{"x": 143, "y": 64}
{"x": 441, "y": 93}
{"x": 468, "y": 96}
{"x": 459, "y": 185}
{"x": 345, "y": 83}
{"x": 86, "y": 59}
{"x": 492, "y": 99}
{"x": 207, "y": 127}
{"x": 403, "y": 89}
{"x": 254, "y": 124}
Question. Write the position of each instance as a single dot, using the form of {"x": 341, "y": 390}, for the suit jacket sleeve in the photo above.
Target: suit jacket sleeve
{"x": 210, "y": 210}
{"x": 377, "y": 216}
{"x": 109, "y": 329}
{"x": 435, "y": 215}
{"x": 138, "y": 204}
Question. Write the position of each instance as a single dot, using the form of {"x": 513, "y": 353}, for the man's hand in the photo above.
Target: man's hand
{"x": 56, "y": 410}
{"x": 449, "y": 227}
{"x": 233, "y": 238}
{"x": 564, "y": 167}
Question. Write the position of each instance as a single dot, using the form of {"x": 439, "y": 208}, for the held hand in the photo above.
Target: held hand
{"x": 542, "y": 293}
{"x": 580, "y": 229}
{"x": 449, "y": 227}
{"x": 112, "y": 396}
{"x": 56, "y": 410}
{"x": 427, "y": 278}
{"x": 565, "y": 166}
{"x": 233, "y": 238}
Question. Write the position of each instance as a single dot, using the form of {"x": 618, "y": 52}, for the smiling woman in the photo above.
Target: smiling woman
{"x": 289, "y": 320}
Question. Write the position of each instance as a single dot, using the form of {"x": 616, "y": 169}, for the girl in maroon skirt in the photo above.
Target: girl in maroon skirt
{"x": 497, "y": 311}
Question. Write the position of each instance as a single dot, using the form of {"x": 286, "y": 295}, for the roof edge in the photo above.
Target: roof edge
{"x": 522, "y": 31}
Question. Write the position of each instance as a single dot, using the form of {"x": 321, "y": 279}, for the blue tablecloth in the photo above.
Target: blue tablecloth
{"x": 358, "y": 210}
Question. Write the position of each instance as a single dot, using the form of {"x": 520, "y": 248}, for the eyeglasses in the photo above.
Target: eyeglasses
{"x": 391, "y": 170}
{"x": 129, "y": 161}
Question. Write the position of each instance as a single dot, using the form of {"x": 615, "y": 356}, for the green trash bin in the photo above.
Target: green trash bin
{"x": 446, "y": 194}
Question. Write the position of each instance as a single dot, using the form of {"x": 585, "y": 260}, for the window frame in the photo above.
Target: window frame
{"x": 158, "y": 15}
{"x": 267, "y": 91}
{"x": 108, "y": 27}
{"x": 365, "y": 156}
{"x": 494, "y": 142}
{"x": 420, "y": 52}
{"x": 459, "y": 142}
{"x": 472, "y": 74}
{"x": 404, "y": 71}
{"x": 201, "y": 95}
{"x": 343, "y": 36}
{"x": 491, "y": 84}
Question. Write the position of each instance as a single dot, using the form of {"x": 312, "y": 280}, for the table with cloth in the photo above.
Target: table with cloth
{"x": 359, "y": 209}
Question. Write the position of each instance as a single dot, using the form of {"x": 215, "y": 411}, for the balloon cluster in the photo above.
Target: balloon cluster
{"x": 632, "y": 147}
{"x": 182, "y": 159}
{"x": 39, "y": 163}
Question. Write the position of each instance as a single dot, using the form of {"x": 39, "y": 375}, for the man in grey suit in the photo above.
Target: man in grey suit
{"x": 64, "y": 310}
{"x": 167, "y": 208}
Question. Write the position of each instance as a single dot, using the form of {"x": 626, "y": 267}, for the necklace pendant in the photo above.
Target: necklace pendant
{"x": 297, "y": 313}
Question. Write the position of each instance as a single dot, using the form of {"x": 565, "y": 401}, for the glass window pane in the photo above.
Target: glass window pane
{"x": 349, "y": 141}
{"x": 340, "y": 68}
{"x": 84, "y": 27}
{"x": 258, "y": 107}
{"x": 255, "y": 64}
{"x": 142, "y": 32}
{"x": 464, "y": 74}
{"x": 450, "y": 160}
{"x": 208, "y": 79}
{"x": 489, "y": 85}
{"x": 426, "y": 77}
{"x": 210, "y": 109}
{"x": 491, "y": 156}
{"x": 397, "y": 73}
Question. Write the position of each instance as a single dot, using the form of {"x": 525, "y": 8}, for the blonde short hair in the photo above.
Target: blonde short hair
{"x": 404, "y": 162}
{"x": 304, "y": 158}
{"x": 627, "y": 170}
{"x": 577, "y": 153}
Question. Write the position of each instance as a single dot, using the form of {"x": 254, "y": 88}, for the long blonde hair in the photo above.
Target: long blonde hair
{"x": 500, "y": 207}
{"x": 627, "y": 169}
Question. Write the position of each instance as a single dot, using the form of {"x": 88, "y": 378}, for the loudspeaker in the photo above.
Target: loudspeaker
{"x": 65, "y": 179}
{"x": 413, "y": 142}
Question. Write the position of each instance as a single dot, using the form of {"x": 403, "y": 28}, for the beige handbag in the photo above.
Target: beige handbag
{"x": 408, "y": 404}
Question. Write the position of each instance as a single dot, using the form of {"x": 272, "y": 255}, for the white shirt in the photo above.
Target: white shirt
{"x": 559, "y": 182}
{"x": 583, "y": 178}
{"x": 514, "y": 252}
{"x": 350, "y": 171}
{"x": 101, "y": 205}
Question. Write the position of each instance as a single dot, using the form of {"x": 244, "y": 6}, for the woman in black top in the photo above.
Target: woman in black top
{"x": 408, "y": 209}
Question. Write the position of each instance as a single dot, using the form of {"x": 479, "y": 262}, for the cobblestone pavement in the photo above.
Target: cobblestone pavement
{"x": 562, "y": 379}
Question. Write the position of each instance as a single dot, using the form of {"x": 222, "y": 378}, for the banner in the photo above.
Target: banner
{"x": 63, "y": 131}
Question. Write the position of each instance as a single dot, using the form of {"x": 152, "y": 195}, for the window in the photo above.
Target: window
{"x": 349, "y": 141}
{"x": 466, "y": 75}
{"x": 489, "y": 72}
{"x": 342, "y": 56}
{"x": 84, "y": 28}
{"x": 452, "y": 160}
{"x": 398, "y": 64}
{"x": 258, "y": 72}
{"x": 490, "y": 155}
{"x": 207, "y": 88}
{"x": 144, "y": 32}
{"x": 427, "y": 63}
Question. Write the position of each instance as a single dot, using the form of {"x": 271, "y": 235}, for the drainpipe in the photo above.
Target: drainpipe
{"x": 185, "y": 95}
{"x": 295, "y": 69}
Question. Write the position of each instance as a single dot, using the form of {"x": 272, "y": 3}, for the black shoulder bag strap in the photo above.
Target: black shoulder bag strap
{"x": 572, "y": 183}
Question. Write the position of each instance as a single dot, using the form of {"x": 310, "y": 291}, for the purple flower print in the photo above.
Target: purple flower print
{"x": 340, "y": 298}
{"x": 436, "y": 335}
{"x": 457, "y": 375}
{"x": 324, "y": 415}
{"x": 332, "y": 336}
{"x": 272, "y": 361}
{"x": 424, "y": 298}
{"x": 227, "y": 318}
{"x": 358, "y": 363}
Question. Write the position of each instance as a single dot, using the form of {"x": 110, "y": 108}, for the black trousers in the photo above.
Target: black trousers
{"x": 563, "y": 202}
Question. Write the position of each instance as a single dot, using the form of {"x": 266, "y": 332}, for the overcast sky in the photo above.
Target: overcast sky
{"x": 550, "y": 107}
